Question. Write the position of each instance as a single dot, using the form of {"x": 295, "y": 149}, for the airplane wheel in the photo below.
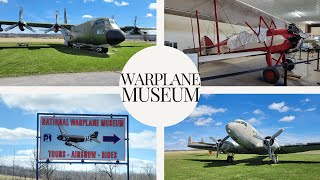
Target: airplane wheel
{"x": 271, "y": 75}
{"x": 274, "y": 159}
{"x": 105, "y": 50}
{"x": 291, "y": 65}
{"x": 69, "y": 44}
{"x": 230, "y": 159}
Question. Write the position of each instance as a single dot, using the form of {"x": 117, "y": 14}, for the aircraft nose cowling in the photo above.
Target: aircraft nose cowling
{"x": 115, "y": 37}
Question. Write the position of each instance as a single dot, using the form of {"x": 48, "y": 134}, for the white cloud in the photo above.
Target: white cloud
{"x": 307, "y": 100}
{"x": 88, "y": 1}
{"x": 108, "y": 1}
{"x": 87, "y": 16}
{"x": 149, "y": 15}
{"x": 218, "y": 123}
{"x": 254, "y": 121}
{"x": 153, "y": 6}
{"x": 287, "y": 119}
{"x": 143, "y": 140}
{"x": 281, "y": 107}
{"x": 203, "y": 122}
{"x": 311, "y": 109}
{"x": 66, "y": 103}
{"x": 206, "y": 110}
{"x": 123, "y": 3}
{"x": 257, "y": 112}
{"x": 27, "y": 152}
{"x": 17, "y": 133}
{"x": 3, "y": 1}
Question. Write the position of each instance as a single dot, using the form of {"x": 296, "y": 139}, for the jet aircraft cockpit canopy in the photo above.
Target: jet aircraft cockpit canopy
{"x": 114, "y": 24}
{"x": 241, "y": 122}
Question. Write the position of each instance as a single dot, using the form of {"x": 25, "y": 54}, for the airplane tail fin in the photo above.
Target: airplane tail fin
{"x": 65, "y": 16}
{"x": 57, "y": 16}
{"x": 94, "y": 137}
{"x": 202, "y": 140}
{"x": 189, "y": 140}
{"x": 20, "y": 13}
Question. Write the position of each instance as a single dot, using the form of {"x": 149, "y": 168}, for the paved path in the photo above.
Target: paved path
{"x": 66, "y": 79}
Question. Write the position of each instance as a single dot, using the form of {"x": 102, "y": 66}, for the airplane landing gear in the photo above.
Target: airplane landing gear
{"x": 230, "y": 158}
{"x": 271, "y": 75}
{"x": 102, "y": 50}
{"x": 291, "y": 64}
{"x": 274, "y": 159}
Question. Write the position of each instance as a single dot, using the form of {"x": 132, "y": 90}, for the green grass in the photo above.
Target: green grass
{"x": 37, "y": 59}
{"x": 199, "y": 165}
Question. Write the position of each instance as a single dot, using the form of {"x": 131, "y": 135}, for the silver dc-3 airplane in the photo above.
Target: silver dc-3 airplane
{"x": 250, "y": 141}
{"x": 73, "y": 140}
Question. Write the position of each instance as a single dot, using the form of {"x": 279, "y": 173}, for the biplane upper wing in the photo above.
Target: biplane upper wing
{"x": 229, "y": 11}
{"x": 35, "y": 24}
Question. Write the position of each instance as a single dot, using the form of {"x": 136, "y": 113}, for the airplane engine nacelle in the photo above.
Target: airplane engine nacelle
{"x": 68, "y": 144}
{"x": 22, "y": 28}
{"x": 226, "y": 146}
{"x": 1, "y": 29}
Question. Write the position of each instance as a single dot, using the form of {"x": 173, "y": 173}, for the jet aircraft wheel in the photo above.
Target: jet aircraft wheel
{"x": 271, "y": 75}
{"x": 230, "y": 159}
{"x": 291, "y": 65}
{"x": 105, "y": 50}
{"x": 69, "y": 44}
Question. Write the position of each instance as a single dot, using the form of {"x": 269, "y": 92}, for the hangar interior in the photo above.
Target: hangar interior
{"x": 181, "y": 30}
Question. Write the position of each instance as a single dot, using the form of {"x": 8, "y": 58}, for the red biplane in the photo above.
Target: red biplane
{"x": 272, "y": 35}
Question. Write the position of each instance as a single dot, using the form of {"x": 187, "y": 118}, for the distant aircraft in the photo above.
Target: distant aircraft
{"x": 250, "y": 142}
{"x": 98, "y": 34}
{"x": 73, "y": 140}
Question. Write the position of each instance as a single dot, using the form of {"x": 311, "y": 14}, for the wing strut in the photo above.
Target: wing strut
{"x": 217, "y": 25}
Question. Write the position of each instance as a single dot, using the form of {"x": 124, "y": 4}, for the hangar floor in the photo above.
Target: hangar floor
{"x": 309, "y": 77}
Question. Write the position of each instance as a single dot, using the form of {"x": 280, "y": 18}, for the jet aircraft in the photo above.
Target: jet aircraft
{"x": 250, "y": 141}
{"x": 73, "y": 140}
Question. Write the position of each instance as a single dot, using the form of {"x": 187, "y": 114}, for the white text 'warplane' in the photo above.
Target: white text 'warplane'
{"x": 250, "y": 141}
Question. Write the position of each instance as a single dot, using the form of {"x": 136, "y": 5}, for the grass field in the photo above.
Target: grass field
{"x": 49, "y": 56}
{"x": 199, "y": 165}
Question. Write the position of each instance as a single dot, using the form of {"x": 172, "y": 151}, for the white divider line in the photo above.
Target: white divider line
{"x": 160, "y": 153}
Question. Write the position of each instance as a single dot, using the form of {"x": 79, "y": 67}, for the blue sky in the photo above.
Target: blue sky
{"x": 297, "y": 114}
{"x": 18, "y": 124}
{"x": 78, "y": 11}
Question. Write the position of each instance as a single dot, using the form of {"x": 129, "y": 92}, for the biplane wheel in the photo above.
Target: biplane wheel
{"x": 291, "y": 65}
{"x": 271, "y": 75}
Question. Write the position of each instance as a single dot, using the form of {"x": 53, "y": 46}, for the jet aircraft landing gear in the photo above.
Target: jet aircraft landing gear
{"x": 274, "y": 159}
{"x": 230, "y": 158}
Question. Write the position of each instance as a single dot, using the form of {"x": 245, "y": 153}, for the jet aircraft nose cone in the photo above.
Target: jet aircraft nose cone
{"x": 115, "y": 37}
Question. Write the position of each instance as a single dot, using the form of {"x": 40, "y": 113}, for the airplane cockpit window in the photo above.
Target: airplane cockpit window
{"x": 100, "y": 26}
{"x": 114, "y": 24}
{"x": 241, "y": 122}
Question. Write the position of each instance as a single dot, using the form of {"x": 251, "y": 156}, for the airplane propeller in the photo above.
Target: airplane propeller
{"x": 56, "y": 27}
{"x": 21, "y": 23}
{"x": 269, "y": 140}
{"x": 219, "y": 144}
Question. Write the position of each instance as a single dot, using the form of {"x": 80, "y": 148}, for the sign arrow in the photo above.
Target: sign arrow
{"x": 113, "y": 138}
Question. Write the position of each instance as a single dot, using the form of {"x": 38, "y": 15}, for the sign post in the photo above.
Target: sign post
{"x": 82, "y": 138}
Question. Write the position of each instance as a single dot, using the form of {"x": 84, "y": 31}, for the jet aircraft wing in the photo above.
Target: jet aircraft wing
{"x": 229, "y": 11}
{"x": 62, "y": 130}
{"x": 77, "y": 146}
{"x": 201, "y": 145}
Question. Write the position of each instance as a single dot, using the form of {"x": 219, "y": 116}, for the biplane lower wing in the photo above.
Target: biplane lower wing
{"x": 221, "y": 57}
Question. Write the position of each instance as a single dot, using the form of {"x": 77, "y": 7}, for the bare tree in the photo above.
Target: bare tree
{"x": 45, "y": 170}
{"x": 107, "y": 169}
{"x": 149, "y": 170}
